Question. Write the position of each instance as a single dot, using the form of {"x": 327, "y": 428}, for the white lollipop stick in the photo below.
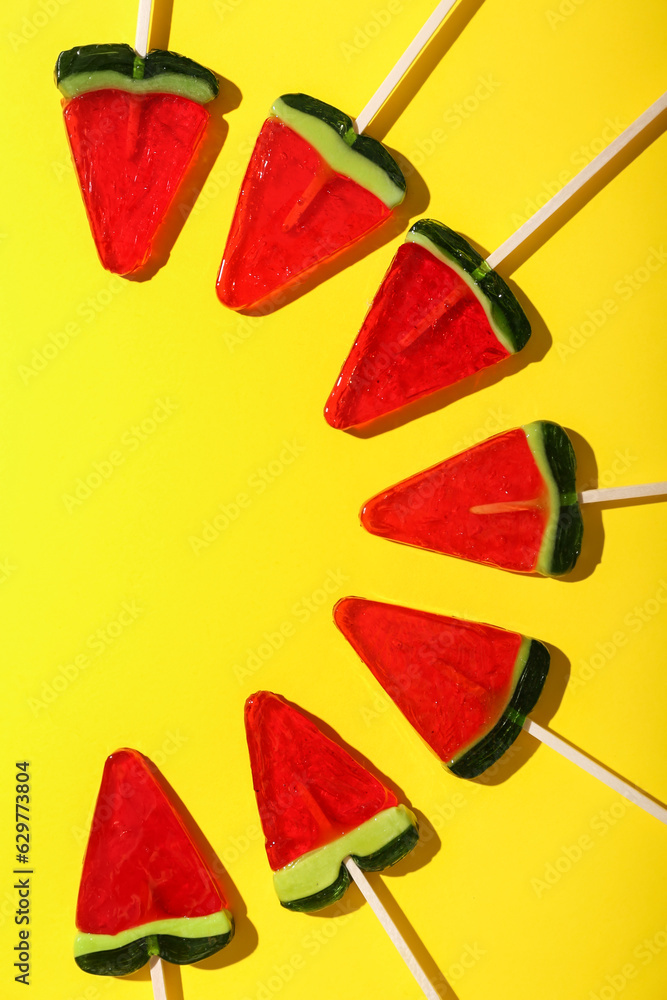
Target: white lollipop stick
{"x": 143, "y": 28}
{"x": 601, "y": 773}
{"x": 571, "y": 188}
{"x": 157, "y": 978}
{"x": 403, "y": 64}
{"x": 390, "y": 927}
{"x": 623, "y": 492}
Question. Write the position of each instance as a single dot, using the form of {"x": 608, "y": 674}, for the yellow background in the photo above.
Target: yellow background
{"x": 509, "y": 101}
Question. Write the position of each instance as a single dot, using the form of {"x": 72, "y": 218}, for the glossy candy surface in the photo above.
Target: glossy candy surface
{"x": 293, "y": 213}
{"x": 131, "y": 153}
{"x": 464, "y": 686}
{"x": 317, "y": 804}
{"x": 510, "y": 502}
{"x": 439, "y": 316}
{"x": 134, "y": 126}
{"x": 312, "y": 189}
{"x": 309, "y": 789}
{"x": 145, "y": 888}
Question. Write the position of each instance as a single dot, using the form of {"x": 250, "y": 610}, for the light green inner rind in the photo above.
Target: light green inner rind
{"x": 535, "y": 440}
{"x": 339, "y": 154}
{"x": 212, "y": 925}
{"x": 427, "y": 244}
{"x": 318, "y": 869}
{"x": 108, "y": 79}
{"x": 517, "y": 670}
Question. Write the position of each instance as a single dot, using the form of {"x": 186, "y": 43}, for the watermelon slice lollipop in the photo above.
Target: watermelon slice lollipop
{"x": 134, "y": 126}
{"x": 318, "y": 805}
{"x": 313, "y": 188}
{"x": 465, "y": 687}
{"x": 440, "y": 315}
{"x": 145, "y": 888}
{"x": 510, "y": 501}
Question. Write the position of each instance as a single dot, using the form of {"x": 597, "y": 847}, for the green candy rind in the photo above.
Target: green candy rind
{"x": 555, "y": 458}
{"x": 92, "y": 58}
{"x": 181, "y": 941}
{"x": 376, "y": 844}
{"x": 101, "y": 67}
{"x": 332, "y": 134}
{"x": 534, "y": 657}
{"x": 506, "y": 317}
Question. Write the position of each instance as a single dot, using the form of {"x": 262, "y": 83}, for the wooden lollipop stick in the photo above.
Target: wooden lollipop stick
{"x": 601, "y": 773}
{"x": 157, "y": 978}
{"x": 619, "y": 143}
{"x": 143, "y": 28}
{"x": 605, "y": 493}
{"x": 623, "y": 492}
{"x": 390, "y": 927}
{"x": 403, "y": 64}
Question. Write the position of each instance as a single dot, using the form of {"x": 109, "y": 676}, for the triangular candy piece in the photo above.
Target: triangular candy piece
{"x": 465, "y": 687}
{"x": 440, "y": 315}
{"x": 313, "y": 188}
{"x": 318, "y": 804}
{"x": 510, "y": 501}
{"x": 145, "y": 888}
{"x": 134, "y": 126}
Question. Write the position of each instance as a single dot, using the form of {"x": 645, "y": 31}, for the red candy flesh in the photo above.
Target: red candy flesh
{"x": 309, "y": 790}
{"x": 131, "y": 152}
{"x": 451, "y": 679}
{"x": 425, "y": 330}
{"x": 141, "y": 864}
{"x": 293, "y": 213}
{"x": 433, "y": 508}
